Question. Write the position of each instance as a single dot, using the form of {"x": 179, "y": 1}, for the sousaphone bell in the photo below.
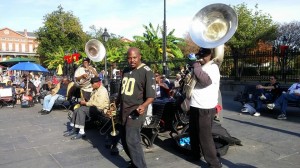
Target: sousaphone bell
{"x": 213, "y": 26}
{"x": 95, "y": 50}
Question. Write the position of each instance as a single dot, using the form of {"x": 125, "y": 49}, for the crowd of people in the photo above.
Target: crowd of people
{"x": 139, "y": 88}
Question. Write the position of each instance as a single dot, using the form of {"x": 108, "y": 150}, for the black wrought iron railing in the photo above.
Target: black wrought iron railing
{"x": 251, "y": 66}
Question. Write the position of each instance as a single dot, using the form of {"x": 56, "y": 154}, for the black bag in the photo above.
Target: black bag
{"x": 221, "y": 138}
{"x": 222, "y": 145}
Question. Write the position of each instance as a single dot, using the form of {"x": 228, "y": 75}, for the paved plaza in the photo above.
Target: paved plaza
{"x": 31, "y": 140}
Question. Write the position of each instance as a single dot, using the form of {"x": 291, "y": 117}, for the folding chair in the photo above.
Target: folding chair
{"x": 69, "y": 100}
{"x": 6, "y": 97}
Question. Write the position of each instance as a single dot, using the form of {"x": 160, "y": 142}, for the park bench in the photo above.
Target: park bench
{"x": 249, "y": 95}
{"x": 150, "y": 131}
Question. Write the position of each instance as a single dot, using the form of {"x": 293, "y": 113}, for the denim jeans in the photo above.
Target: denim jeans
{"x": 49, "y": 101}
{"x": 259, "y": 102}
{"x": 283, "y": 100}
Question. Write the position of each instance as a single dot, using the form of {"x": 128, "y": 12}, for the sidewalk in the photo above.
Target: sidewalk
{"x": 31, "y": 140}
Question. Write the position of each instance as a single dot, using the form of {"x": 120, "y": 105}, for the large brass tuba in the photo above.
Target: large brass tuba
{"x": 213, "y": 26}
{"x": 95, "y": 51}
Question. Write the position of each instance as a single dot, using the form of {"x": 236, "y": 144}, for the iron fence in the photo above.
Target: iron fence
{"x": 255, "y": 66}
{"x": 259, "y": 66}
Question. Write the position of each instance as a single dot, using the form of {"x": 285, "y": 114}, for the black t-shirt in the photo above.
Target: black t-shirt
{"x": 137, "y": 85}
{"x": 276, "y": 89}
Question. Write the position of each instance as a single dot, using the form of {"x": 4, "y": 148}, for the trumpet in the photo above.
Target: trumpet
{"x": 112, "y": 112}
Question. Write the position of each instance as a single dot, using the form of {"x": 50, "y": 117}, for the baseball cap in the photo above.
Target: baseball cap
{"x": 86, "y": 59}
{"x": 95, "y": 80}
{"x": 203, "y": 52}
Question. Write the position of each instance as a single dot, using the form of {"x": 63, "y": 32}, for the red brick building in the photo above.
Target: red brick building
{"x": 17, "y": 43}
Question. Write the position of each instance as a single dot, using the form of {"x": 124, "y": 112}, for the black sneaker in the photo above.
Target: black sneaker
{"x": 115, "y": 150}
{"x": 45, "y": 112}
{"x": 282, "y": 117}
{"x": 70, "y": 133}
{"x": 41, "y": 111}
{"x": 78, "y": 136}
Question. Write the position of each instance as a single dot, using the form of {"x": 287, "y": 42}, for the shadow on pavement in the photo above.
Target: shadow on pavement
{"x": 263, "y": 126}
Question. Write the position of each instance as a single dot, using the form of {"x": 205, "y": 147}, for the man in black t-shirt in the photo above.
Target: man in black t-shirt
{"x": 136, "y": 93}
{"x": 269, "y": 92}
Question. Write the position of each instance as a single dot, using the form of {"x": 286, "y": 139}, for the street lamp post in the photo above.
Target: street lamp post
{"x": 283, "y": 51}
{"x": 165, "y": 65}
{"x": 105, "y": 37}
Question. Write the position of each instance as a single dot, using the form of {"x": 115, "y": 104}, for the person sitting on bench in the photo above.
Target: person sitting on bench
{"x": 99, "y": 102}
{"x": 293, "y": 94}
{"x": 268, "y": 92}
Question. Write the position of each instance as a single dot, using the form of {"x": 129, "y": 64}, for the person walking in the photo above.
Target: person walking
{"x": 136, "y": 93}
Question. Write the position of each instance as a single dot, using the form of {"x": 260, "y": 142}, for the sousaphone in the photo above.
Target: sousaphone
{"x": 213, "y": 26}
{"x": 95, "y": 51}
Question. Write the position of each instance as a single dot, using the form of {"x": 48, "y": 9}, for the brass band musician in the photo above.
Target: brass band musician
{"x": 83, "y": 76}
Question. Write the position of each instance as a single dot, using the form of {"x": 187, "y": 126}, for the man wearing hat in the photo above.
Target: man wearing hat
{"x": 99, "y": 102}
{"x": 82, "y": 74}
{"x": 204, "y": 100}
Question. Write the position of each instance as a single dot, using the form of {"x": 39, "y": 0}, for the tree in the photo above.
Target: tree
{"x": 189, "y": 46}
{"x": 154, "y": 44}
{"x": 115, "y": 47}
{"x": 61, "y": 31}
{"x": 291, "y": 32}
{"x": 253, "y": 26}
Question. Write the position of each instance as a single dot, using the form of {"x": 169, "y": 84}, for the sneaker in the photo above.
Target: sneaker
{"x": 282, "y": 117}
{"x": 256, "y": 114}
{"x": 262, "y": 97}
{"x": 271, "y": 106}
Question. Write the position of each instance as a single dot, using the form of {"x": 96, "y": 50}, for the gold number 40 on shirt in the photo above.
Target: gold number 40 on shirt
{"x": 128, "y": 86}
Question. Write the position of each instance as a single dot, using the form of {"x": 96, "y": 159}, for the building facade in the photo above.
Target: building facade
{"x": 16, "y": 44}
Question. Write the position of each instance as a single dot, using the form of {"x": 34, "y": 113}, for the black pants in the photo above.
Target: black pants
{"x": 131, "y": 141}
{"x": 201, "y": 139}
{"x": 86, "y": 95}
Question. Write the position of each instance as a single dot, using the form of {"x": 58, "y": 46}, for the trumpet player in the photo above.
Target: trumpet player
{"x": 83, "y": 75}
{"x": 99, "y": 102}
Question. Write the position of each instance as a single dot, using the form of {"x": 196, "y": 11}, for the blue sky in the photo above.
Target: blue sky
{"x": 127, "y": 17}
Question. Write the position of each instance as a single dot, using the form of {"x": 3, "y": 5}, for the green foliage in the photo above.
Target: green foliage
{"x": 116, "y": 50}
{"x": 61, "y": 31}
{"x": 151, "y": 46}
{"x": 56, "y": 58}
{"x": 152, "y": 37}
{"x": 252, "y": 27}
